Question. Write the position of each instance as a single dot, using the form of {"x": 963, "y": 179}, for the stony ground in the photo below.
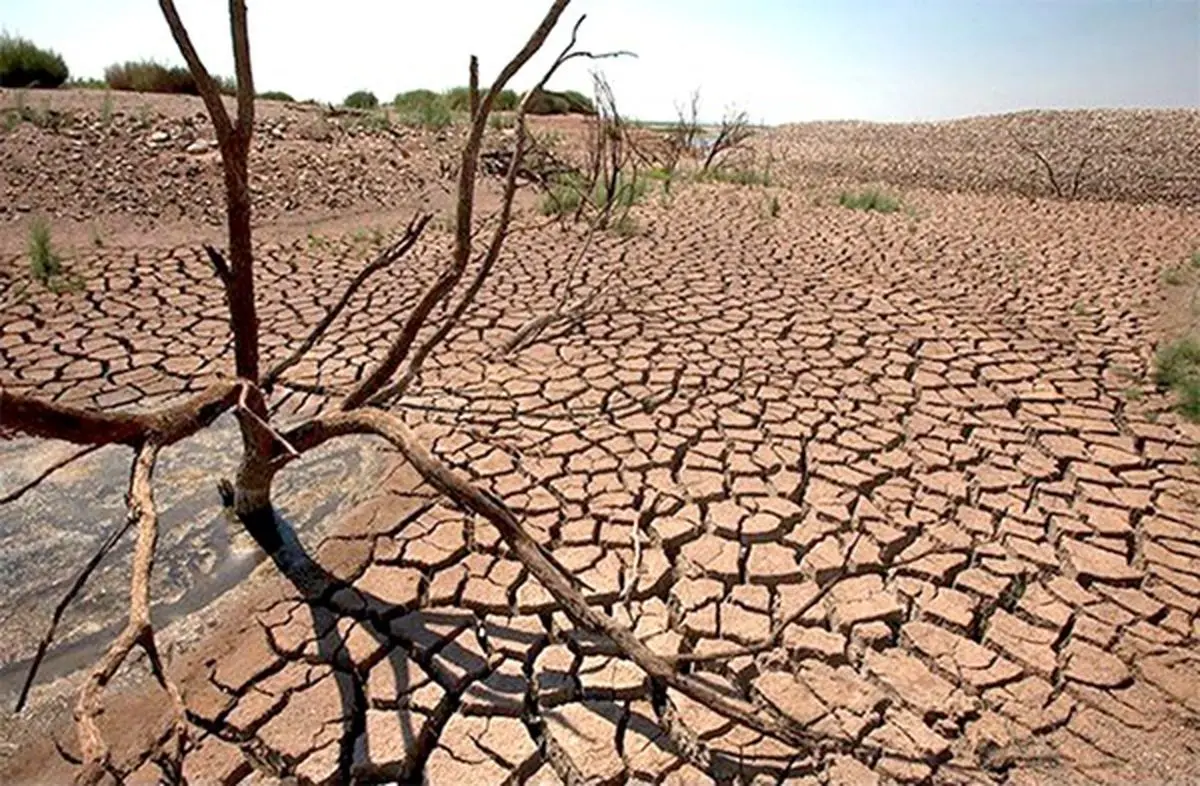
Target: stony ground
{"x": 910, "y": 465}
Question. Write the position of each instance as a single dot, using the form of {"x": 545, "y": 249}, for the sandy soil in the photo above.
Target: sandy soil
{"x": 953, "y": 400}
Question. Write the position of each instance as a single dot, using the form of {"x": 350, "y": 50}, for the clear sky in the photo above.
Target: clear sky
{"x": 782, "y": 60}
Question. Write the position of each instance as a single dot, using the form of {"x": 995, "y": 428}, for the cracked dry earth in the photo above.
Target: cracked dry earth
{"x": 931, "y": 411}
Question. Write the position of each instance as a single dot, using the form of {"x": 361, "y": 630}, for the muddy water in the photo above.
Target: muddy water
{"x": 47, "y": 536}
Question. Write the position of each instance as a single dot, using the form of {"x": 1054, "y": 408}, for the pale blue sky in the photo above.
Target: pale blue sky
{"x": 781, "y": 60}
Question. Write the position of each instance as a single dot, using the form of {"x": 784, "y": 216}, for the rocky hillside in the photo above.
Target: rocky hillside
{"x": 1138, "y": 156}
{"x": 84, "y": 155}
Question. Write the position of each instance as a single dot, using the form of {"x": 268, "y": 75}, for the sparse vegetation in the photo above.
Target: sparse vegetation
{"x": 148, "y": 76}
{"x": 773, "y": 206}
{"x": 567, "y": 193}
{"x": 276, "y": 95}
{"x": 24, "y": 64}
{"x": 1172, "y": 276}
{"x": 377, "y": 120}
{"x": 626, "y": 226}
{"x": 869, "y": 199}
{"x": 106, "y": 108}
{"x": 502, "y": 122}
{"x": 45, "y": 264}
{"x": 361, "y": 99}
{"x": 1177, "y": 368}
{"x": 742, "y": 175}
{"x": 22, "y": 112}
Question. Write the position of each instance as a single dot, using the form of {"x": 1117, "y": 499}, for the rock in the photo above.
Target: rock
{"x": 199, "y": 146}
{"x": 159, "y": 137}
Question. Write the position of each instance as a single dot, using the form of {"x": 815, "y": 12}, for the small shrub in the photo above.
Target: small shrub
{"x": 567, "y": 192}
{"x": 23, "y": 64}
{"x": 1172, "y": 276}
{"x": 1177, "y": 368}
{"x": 361, "y": 99}
{"x": 561, "y": 199}
{"x": 1195, "y": 260}
{"x": 501, "y": 122}
{"x": 742, "y": 176}
{"x": 106, "y": 109}
{"x": 44, "y": 262}
{"x": 372, "y": 121}
{"x": 773, "y": 207}
{"x": 276, "y": 95}
{"x": 148, "y": 76}
{"x": 870, "y": 199}
{"x": 434, "y": 116}
{"x": 457, "y": 99}
{"x": 507, "y": 101}
{"x": 414, "y": 99}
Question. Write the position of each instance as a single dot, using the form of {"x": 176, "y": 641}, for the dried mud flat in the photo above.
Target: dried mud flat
{"x": 938, "y": 400}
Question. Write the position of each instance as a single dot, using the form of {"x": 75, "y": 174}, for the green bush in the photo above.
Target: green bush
{"x": 22, "y": 64}
{"x": 413, "y": 100}
{"x": 566, "y": 192}
{"x": 870, "y": 199}
{"x": 148, "y": 76}
{"x": 1177, "y": 368}
{"x": 562, "y": 198}
{"x": 507, "y": 101}
{"x": 276, "y": 95}
{"x": 458, "y": 99}
{"x": 361, "y": 99}
{"x": 572, "y": 102}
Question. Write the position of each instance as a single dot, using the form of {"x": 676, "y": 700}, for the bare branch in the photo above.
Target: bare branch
{"x": 47, "y": 472}
{"x": 446, "y": 282}
{"x": 1076, "y": 181}
{"x": 241, "y": 65}
{"x": 499, "y": 234}
{"x": 735, "y": 130}
{"x": 137, "y": 632}
{"x": 36, "y": 418}
{"x": 1031, "y": 150}
{"x": 204, "y": 81}
{"x": 220, "y": 266}
{"x": 384, "y": 260}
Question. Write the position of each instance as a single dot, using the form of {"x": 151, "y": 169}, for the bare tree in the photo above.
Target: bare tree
{"x": 1051, "y": 176}
{"x": 268, "y": 449}
{"x": 734, "y": 132}
{"x": 605, "y": 189}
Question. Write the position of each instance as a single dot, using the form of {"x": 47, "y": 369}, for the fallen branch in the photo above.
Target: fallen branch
{"x": 26, "y": 415}
{"x": 138, "y": 631}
